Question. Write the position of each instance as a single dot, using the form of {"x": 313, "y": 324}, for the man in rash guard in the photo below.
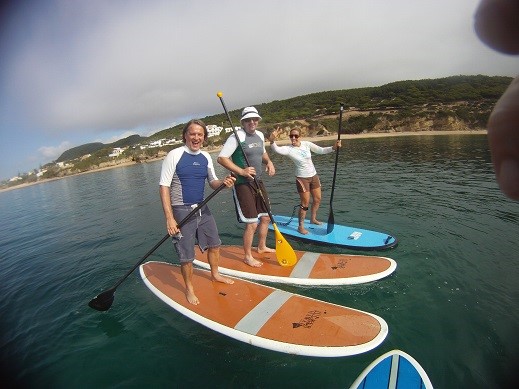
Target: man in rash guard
{"x": 182, "y": 182}
{"x": 251, "y": 205}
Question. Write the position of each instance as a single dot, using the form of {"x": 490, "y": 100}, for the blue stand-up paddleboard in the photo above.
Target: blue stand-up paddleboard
{"x": 393, "y": 370}
{"x": 341, "y": 236}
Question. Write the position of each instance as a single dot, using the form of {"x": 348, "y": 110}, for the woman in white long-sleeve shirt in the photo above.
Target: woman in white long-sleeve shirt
{"x": 307, "y": 180}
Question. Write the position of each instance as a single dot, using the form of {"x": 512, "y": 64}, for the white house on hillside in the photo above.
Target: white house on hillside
{"x": 229, "y": 129}
{"x": 159, "y": 143}
{"x": 213, "y": 130}
{"x": 116, "y": 152}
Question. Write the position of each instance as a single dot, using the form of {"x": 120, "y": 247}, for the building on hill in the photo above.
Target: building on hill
{"x": 116, "y": 152}
{"x": 213, "y": 130}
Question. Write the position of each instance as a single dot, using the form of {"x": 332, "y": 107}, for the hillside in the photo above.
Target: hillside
{"x": 461, "y": 98}
{"x": 448, "y": 104}
{"x": 92, "y": 148}
{"x": 78, "y": 151}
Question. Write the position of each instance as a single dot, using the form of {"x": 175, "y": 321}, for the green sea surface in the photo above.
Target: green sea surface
{"x": 452, "y": 303}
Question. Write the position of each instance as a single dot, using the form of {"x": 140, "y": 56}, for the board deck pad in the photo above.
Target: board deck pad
{"x": 341, "y": 236}
{"x": 267, "y": 317}
{"x": 393, "y": 370}
{"x": 310, "y": 269}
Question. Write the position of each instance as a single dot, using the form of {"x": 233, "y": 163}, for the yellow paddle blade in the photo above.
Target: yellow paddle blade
{"x": 285, "y": 254}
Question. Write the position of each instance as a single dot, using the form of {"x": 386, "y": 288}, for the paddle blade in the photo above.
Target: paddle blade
{"x": 103, "y": 301}
{"x": 285, "y": 254}
{"x": 331, "y": 222}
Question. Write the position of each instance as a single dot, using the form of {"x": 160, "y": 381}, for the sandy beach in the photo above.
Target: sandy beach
{"x": 385, "y": 135}
{"x": 280, "y": 142}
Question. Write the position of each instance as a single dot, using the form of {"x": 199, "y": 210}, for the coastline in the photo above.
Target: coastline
{"x": 387, "y": 135}
{"x": 281, "y": 142}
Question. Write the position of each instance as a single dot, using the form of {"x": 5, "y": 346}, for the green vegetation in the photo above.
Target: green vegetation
{"x": 406, "y": 97}
{"x": 466, "y": 98}
{"x": 465, "y": 101}
{"x": 91, "y": 148}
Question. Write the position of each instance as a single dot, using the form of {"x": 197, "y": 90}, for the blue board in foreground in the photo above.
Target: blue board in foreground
{"x": 393, "y": 370}
{"x": 341, "y": 236}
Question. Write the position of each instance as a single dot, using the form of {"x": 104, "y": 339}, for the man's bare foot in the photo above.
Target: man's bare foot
{"x": 265, "y": 250}
{"x": 302, "y": 230}
{"x": 224, "y": 280}
{"x": 316, "y": 222}
{"x": 253, "y": 262}
{"x": 192, "y": 298}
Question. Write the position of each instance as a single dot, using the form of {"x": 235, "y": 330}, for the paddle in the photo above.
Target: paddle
{"x": 284, "y": 252}
{"x": 103, "y": 301}
{"x": 331, "y": 221}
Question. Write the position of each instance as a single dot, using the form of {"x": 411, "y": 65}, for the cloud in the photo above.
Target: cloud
{"x": 87, "y": 70}
{"x": 103, "y": 66}
{"x": 117, "y": 137}
{"x": 53, "y": 152}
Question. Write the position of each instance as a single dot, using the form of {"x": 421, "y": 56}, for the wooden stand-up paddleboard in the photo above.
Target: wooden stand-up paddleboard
{"x": 310, "y": 269}
{"x": 267, "y": 317}
{"x": 393, "y": 370}
{"x": 341, "y": 236}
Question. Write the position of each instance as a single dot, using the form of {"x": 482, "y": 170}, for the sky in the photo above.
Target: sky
{"x": 74, "y": 72}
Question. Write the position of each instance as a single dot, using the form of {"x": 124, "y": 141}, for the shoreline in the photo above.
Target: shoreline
{"x": 281, "y": 142}
{"x": 388, "y": 135}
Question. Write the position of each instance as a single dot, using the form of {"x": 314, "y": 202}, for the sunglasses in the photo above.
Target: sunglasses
{"x": 294, "y": 136}
{"x": 251, "y": 120}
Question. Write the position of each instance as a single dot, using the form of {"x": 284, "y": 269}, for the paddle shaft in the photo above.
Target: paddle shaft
{"x": 331, "y": 220}
{"x": 106, "y": 297}
{"x": 336, "y": 154}
{"x": 247, "y": 160}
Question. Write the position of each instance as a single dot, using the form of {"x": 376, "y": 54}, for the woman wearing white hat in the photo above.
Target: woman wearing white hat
{"x": 249, "y": 204}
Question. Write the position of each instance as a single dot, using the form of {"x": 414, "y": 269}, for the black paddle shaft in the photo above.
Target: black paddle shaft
{"x": 336, "y": 154}
{"x": 331, "y": 220}
{"x": 103, "y": 301}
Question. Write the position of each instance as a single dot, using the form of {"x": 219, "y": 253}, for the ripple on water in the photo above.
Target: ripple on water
{"x": 455, "y": 287}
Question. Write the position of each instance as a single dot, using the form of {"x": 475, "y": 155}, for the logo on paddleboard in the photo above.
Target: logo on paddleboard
{"x": 340, "y": 265}
{"x": 355, "y": 235}
{"x": 309, "y": 320}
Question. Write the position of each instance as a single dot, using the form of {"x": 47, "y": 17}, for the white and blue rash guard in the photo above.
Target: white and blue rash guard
{"x": 185, "y": 172}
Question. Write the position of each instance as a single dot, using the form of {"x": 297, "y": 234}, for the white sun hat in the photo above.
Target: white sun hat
{"x": 249, "y": 112}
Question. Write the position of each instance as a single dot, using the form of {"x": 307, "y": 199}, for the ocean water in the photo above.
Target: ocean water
{"x": 452, "y": 302}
